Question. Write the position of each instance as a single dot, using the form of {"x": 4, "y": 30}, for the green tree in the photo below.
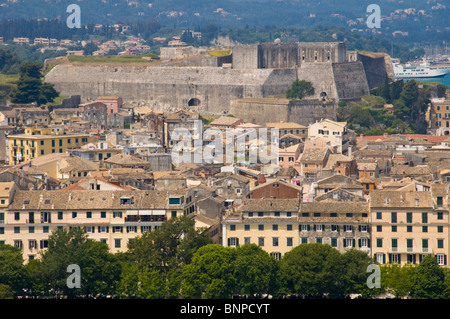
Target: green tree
{"x": 255, "y": 271}
{"x": 354, "y": 265}
{"x": 30, "y": 87}
{"x": 396, "y": 279}
{"x": 13, "y": 276}
{"x": 300, "y": 89}
{"x": 99, "y": 268}
{"x": 428, "y": 280}
{"x": 210, "y": 274}
{"x": 172, "y": 246}
{"x": 312, "y": 270}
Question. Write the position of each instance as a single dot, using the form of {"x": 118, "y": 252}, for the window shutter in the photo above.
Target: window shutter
{"x": 237, "y": 241}
{"x": 99, "y": 229}
{"x": 414, "y": 258}
{"x": 314, "y": 227}
{"x": 345, "y": 242}
{"x": 445, "y": 259}
{"x": 107, "y": 229}
{"x": 309, "y": 227}
{"x": 390, "y": 258}
{"x": 384, "y": 258}
{"x": 359, "y": 242}
{"x": 229, "y": 242}
{"x": 399, "y": 258}
{"x": 323, "y": 227}
{"x": 359, "y": 228}
{"x": 353, "y": 242}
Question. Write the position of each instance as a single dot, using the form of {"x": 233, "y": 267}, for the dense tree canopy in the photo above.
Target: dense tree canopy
{"x": 30, "y": 87}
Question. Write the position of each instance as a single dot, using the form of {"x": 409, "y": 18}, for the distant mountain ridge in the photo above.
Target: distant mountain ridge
{"x": 422, "y": 18}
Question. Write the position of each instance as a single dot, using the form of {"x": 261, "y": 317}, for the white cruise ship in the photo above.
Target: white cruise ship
{"x": 417, "y": 70}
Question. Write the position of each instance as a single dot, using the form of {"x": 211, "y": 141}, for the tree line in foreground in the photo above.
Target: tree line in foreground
{"x": 179, "y": 261}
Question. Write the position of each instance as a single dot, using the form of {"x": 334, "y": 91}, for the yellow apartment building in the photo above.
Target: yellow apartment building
{"x": 342, "y": 225}
{"x": 113, "y": 217}
{"x": 407, "y": 225}
{"x": 272, "y": 224}
{"x": 36, "y": 142}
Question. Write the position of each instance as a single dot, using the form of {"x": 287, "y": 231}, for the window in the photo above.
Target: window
{"x": 409, "y": 217}
{"x": 246, "y": 227}
{"x": 394, "y": 229}
{"x": 440, "y": 243}
{"x": 393, "y": 217}
{"x": 275, "y": 241}
{"x": 103, "y": 214}
{"x": 304, "y": 240}
{"x": 103, "y": 229}
{"x": 18, "y": 243}
{"x": 440, "y": 229}
{"x": 440, "y": 215}
{"x": 261, "y": 241}
{"x": 16, "y": 216}
{"x": 274, "y": 227}
{"x": 425, "y": 245}
{"x": 349, "y": 242}
{"x": 318, "y": 227}
{"x": 232, "y": 227}
{"x": 16, "y": 230}
{"x": 319, "y": 240}
{"x": 31, "y": 229}
{"x": 441, "y": 259}
{"x": 131, "y": 229}
{"x": 289, "y": 241}
{"x": 233, "y": 241}
{"x": 304, "y": 227}
{"x": 261, "y": 227}
{"x": 288, "y": 227}
{"x": 364, "y": 228}
{"x": 74, "y": 214}
{"x": 60, "y": 215}
{"x": 90, "y": 229}
{"x": 333, "y": 242}
{"x": 260, "y": 214}
{"x": 380, "y": 258}
{"x": 32, "y": 244}
{"x": 334, "y": 228}
{"x": 174, "y": 201}
{"x": 379, "y": 228}
{"x": 379, "y": 215}
{"x": 379, "y": 242}
{"x": 246, "y": 240}
{"x": 117, "y": 229}
{"x": 348, "y": 228}
{"x": 88, "y": 214}
{"x": 409, "y": 244}
{"x": 349, "y": 215}
{"x": 424, "y": 229}
{"x": 394, "y": 244}
{"x": 424, "y": 218}
{"x": 275, "y": 255}
{"x": 363, "y": 242}
{"x": 117, "y": 242}
{"x": 409, "y": 229}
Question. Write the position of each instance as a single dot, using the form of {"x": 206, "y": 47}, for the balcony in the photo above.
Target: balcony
{"x": 145, "y": 218}
{"x": 409, "y": 250}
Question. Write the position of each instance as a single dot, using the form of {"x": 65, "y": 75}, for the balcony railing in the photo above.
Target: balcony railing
{"x": 144, "y": 219}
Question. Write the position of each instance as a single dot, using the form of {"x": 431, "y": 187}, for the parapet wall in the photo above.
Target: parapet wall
{"x": 169, "y": 88}
{"x": 263, "y": 110}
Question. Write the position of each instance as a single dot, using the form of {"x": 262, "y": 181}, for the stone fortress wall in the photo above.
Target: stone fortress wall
{"x": 212, "y": 84}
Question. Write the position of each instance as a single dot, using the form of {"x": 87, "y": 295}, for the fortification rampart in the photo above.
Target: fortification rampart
{"x": 251, "y": 71}
{"x": 263, "y": 110}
